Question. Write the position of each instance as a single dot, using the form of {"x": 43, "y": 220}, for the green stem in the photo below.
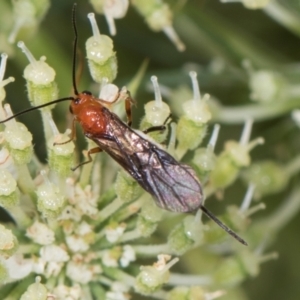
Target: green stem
{"x": 189, "y": 280}
{"x": 284, "y": 213}
{"x": 25, "y": 182}
{"x": 284, "y": 16}
{"x": 257, "y": 112}
{"x": 151, "y": 250}
{"x": 293, "y": 167}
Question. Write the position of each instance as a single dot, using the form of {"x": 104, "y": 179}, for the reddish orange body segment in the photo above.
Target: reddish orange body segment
{"x": 89, "y": 113}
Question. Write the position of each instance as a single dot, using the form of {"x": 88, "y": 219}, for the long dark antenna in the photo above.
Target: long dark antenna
{"x": 36, "y": 107}
{"x": 223, "y": 226}
{"x": 75, "y": 48}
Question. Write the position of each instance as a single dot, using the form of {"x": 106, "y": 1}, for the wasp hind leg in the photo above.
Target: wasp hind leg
{"x": 91, "y": 151}
{"x": 161, "y": 128}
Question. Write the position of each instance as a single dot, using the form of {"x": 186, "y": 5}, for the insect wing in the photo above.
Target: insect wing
{"x": 174, "y": 186}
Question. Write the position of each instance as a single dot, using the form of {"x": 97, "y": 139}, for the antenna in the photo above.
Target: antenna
{"x": 223, "y": 226}
{"x": 74, "y": 48}
{"x": 73, "y": 75}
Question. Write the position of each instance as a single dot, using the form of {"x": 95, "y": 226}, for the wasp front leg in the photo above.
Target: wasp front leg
{"x": 73, "y": 135}
{"x": 91, "y": 151}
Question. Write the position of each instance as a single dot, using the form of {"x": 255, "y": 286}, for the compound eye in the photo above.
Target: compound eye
{"x": 76, "y": 100}
{"x": 87, "y": 93}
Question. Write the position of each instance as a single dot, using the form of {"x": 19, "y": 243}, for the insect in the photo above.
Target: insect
{"x": 173, "y": 185}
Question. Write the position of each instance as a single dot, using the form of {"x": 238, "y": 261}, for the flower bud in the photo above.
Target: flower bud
{"x": 265, "y": 86}
{"x": 156, "y": 113}
{"x": 40, "y": 233}
{"x": 27, "y": 16}
{"x": 159, "y": 17}
{"x": 234, "y": 270}
{"x": 18, "y": 140}
{"x": 186, "y": 234}
{"x": 8, "y": 242}
{"x": 39, "y": 76}
{"x": 267, "y": 176}
{"x": 191, "y": 127}
{"x": 148, "y": 218}
{"x": 191, "y": 293}
{"x": 126, "y": 188}
{"x": 151, "y": 278}
{"x": 50, "y": 200}
{"x": 60, "y": 156}
{"x": 3, "y": 83}
{"x": 36, "y": 291}
{"x": 204, "y": 159}
{"x": 112, "y": 10}
{"x": 4, "y": 275}
{"x": 233, "y": 158}
{"x": 101, "y": 57}
{"x": 8, "y": 190}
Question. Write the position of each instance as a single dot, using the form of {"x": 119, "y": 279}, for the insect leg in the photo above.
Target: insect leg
{"x": 128, "y": 102}
{"x": 159, "y": 127}
{"x": 73, "y": 135}
{"x": 91, "y": 151}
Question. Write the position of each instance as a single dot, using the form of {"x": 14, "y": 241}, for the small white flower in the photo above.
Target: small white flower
{"x": 77, "y": 244}
{"x": 83, "y": 229}
{"x": 118, "y": 292}
{"x": 53, "y": 253}
{"x": 108, "y": 260}
{"x": 18, "y": 267}
{"x": 40, "y": 233}
{"x": 79, "y": 272}
{"x": 53, "y": 269}
{"x": 63, "y": 292}
{"x": 128, "y": 256}
{"x": 7, "y": 239}
{"x": 113, "y": 234}
{"x": 85, "y": 201}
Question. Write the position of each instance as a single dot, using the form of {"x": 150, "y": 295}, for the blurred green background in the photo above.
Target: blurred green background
{"x": 211, "y": 30}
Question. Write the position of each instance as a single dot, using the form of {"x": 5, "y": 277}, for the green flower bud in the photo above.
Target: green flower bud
{"x": 112, "y": 10}
{"x": 60, "y": 156}
{"x": 267, "y": 176}
{"x": 148, "y": 218}
{"x": 3, "y": 83}
{"x": 204, "y": 161}
{"x": 36, "y": 291}
{"x": 39, "y": 76}
{"x": 8, "y": 242}
{"x": 151, "y": 278}
{"x": 4, "y": 275}
{"x": 233, "y": 158}
{"x": 191, "y": 127}
{"x": 189, "y": 133}
{"x": 50, "y": 200}
{"x": 225, "y": 171}
{"x": 101, "y": 57}
{"x": 229, "y": 273}
{"x": 27, "y": 15}
{"x": 159, "y": 17}
{"x": 18, "y": 140}
{"x": 126, "y": 188}
{"x": 8, "y": 190}
{"x": 156, "y": 114}
{"x": 186, "y": 235}
{"x": 187, "y": 293}
{"x": 157, "y": 111}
